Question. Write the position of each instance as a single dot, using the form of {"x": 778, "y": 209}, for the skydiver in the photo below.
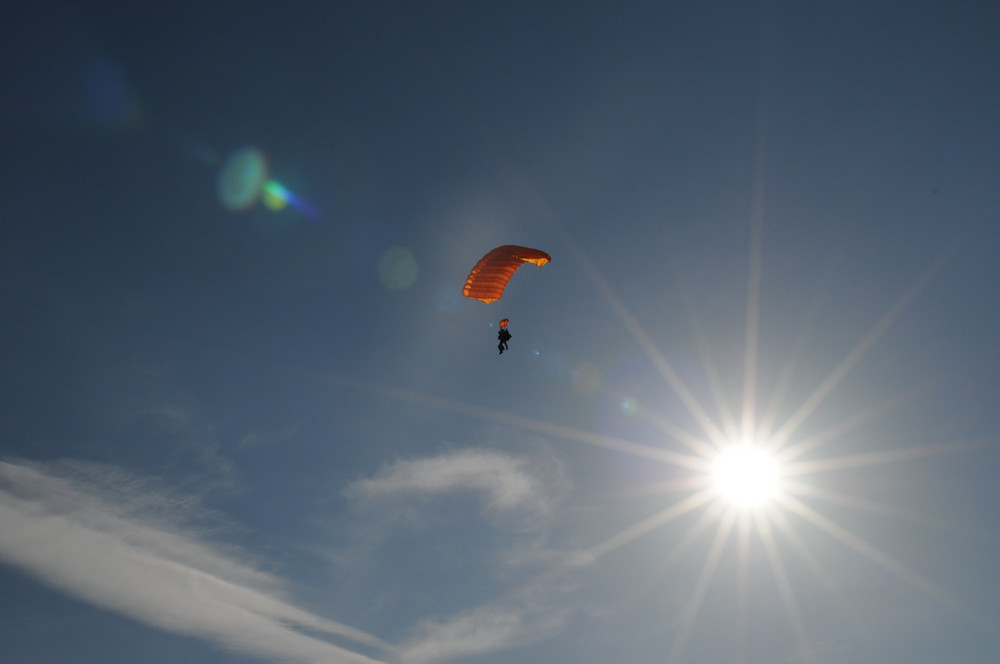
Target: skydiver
{"x": 504, "y": 336}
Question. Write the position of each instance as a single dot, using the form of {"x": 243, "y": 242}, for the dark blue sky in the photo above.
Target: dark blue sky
{"x": 241, "y": 435}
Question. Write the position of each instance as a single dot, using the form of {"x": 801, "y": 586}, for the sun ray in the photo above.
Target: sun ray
{"x": 686, "y": 461}
{"x": 783, "y": 526}
{"x": 709, "y": 516}
{"x": 751, "y": 349}
{"x": 712, "y": 514}
{"x": 682, "y": 485}
{"x": 848, "y": 424}
{"x": 784, "y": 587}
{"x": 882, "y": 457}
{"x": 742, "y": 586}
{"x": 707, "y": 359}
{"x": 591, "y": 555}
{"x": 649, "y": 524}
{"x": 748, "y": 425}
{"x": 638, "y": 333}
{"x": 887, "y": 563}
{"x": 692, "y": 442}
{"x": 867, "y": 341}
{"x": 789, "y": 367}
{"x": 858, "y": 503}
{"x": 693, "y": 608}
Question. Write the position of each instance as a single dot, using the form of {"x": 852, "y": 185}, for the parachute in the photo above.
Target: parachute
{"x": 490, "y": 275}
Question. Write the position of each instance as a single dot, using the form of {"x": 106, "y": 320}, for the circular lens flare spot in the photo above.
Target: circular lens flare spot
{"x": 745, "y": 475}
{"x": 629, "y": 406}
{"x": 241, "y": 179}
{"x": 397, "y": 269}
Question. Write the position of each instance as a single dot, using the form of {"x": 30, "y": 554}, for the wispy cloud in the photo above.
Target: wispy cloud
{"x": 481, "y": 630}
{"x": 271, "y": 436}
{"x": 522, "y": 491}
{"x": 116, "y": 549}
{"x": 508, "y": 483}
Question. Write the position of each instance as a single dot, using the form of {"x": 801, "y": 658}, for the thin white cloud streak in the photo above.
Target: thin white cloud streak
{"x": 511, "y": 486}
{"x": 508, "y": 482}
{"x": 68, "y": 534}
{"x": 481, "y": 630}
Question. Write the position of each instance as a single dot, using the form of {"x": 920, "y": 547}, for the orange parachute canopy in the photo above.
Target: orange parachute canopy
{"x": 490, "y": 275}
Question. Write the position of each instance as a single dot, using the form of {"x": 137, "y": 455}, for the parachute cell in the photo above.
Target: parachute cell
{"x": 490, "y": 275}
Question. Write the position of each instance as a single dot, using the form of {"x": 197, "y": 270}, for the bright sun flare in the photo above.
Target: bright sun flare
{"x": 745, "y": 475}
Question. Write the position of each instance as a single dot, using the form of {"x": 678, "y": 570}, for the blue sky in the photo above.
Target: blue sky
{"x": 282, "y": 435}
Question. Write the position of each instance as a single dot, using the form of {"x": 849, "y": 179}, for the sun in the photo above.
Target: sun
{"x": 746, "y": 476}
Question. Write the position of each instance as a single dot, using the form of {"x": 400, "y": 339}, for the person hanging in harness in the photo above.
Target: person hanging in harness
{"x": 504, "y": 336}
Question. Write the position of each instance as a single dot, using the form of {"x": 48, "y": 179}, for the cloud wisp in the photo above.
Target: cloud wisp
{"x": 116, "y": 550}
{"x": 483, "y": 629}
{"x": 512, "y": 488}
{"x": 508, "y": 483}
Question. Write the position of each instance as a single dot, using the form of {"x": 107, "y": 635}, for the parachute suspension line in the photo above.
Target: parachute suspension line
{"x": 515, "y": 291}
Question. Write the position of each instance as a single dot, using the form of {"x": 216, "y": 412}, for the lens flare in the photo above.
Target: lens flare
{"x": 244, "y": 180}
{"x": 274, "y": 196}
{"x": 241, "y": 179}
{"x": 397, "y": 269}
{"x": 277, "y": 197}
